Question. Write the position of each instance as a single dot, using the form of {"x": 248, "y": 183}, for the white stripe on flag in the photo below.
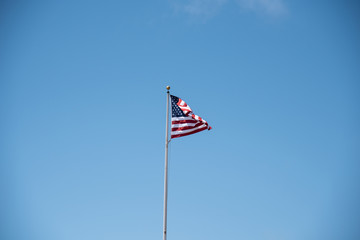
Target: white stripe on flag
{"x": 181, "y": 118}
{"x": 183, "y": 125}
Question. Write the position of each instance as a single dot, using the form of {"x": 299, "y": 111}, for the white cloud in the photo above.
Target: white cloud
{"x": 208, "y": 8}
{"x": 271, "y": 7}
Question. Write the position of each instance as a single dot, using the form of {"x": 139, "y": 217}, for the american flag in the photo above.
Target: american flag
{"x": 183, "y": 121}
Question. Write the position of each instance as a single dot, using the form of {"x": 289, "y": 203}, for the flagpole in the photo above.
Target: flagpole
{"x": 166, "y": 163}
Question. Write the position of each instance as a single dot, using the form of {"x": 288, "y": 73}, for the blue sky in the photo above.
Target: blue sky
{"x": 82, "y": 101}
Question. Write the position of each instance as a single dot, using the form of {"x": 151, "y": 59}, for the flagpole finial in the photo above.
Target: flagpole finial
{"x": 168, "y": 88}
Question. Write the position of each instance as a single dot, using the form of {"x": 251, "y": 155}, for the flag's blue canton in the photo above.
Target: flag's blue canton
{"x": 176, "y": 111}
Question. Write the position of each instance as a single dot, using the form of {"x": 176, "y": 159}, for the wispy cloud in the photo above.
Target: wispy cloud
{"x": 209, "y": 8}
{"x": 200, "y": 8}
{"x": 270, "y": 7}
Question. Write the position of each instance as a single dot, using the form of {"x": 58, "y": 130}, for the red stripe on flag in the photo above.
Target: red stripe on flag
{"x": 184, "y": 121}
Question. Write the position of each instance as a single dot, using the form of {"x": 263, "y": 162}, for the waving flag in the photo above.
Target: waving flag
{"x": 183, "y": 121}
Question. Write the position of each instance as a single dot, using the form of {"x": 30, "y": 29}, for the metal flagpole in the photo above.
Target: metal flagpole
{"x": 166, "y": 163}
